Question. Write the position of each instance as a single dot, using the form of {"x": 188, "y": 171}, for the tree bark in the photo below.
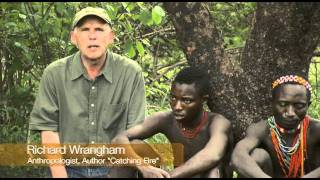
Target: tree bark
{"x": 282, "y": 41}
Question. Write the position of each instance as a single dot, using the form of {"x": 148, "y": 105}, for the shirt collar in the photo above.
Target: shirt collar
{"x": 107, "y": 69}
{"x": 77, "y": 69}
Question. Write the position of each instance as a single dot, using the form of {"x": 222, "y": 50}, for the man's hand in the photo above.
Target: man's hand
{"x": 50, "y": 137}
{"x": 153, "y": 172}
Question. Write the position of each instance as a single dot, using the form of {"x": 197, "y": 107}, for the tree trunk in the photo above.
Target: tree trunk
{"x": 282, "y": 41}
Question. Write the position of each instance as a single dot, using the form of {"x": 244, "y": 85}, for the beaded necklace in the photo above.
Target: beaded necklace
{"x": 291, "y": 158}
{"x": 192, "y": 133}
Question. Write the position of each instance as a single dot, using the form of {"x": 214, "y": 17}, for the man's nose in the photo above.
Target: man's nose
{"x": 92, "y": 35}
{"x": 178, "y": 106}
{"x": 290, "y": 111}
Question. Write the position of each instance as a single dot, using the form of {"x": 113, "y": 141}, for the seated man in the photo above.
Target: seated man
{"x": 288, "y": 143}
{"x": 206, "y": 136}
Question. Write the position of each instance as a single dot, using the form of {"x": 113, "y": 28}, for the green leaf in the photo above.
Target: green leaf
{"x": 131, "y": 7}
{"x": 22, "y": 46}
{"x": 140, "y": 48}
{"x": 128, "y": 6}
{"x": 141, "y": 5}
{"x": 146, "y": 18}
{"x": 128, "y": 26}
{"x": 129, "y": 49}
{"x": 10, "y": 25}
{"x": 60, "y": 8}
{"x": 157, "y": 14}
{"x": 156, "y": 18}
{"x": 135, "y": 16}
{"x": 22, "y": 16}
{"x": 159, "y": 11}
{"x": 146, "y": 42}
{"x": 218, "y": 6}
{"x": 237, "y": 41}
{"x": 124, "y": 4}
{"x": 112, "y": 12}
{"x": 17, "y": 44}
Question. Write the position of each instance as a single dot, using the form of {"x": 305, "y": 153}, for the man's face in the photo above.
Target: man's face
{"x": 185, "y": 102}
{"x": 92, "y": 38}
{"x": 290, "y": 105}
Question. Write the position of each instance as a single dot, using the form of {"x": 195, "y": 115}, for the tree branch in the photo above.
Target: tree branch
{"x": 157, "y": 32}
{"x": 168, "y": 68}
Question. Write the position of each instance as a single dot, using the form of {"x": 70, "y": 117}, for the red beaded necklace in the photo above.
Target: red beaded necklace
{"x": 298, "y": 156}
{"x": 192, "y": 133}
{"x": 290, "y": 131}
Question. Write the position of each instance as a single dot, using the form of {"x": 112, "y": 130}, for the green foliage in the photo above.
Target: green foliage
{"x": 314, "y": 78}
{"x": 234, "y": 21}
{"x": 13, "y": 133}
{"x": 157, "y": 14}
{"x": 25, "y": 171}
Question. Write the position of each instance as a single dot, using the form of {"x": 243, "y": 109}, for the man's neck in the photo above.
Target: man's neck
{"x": 190, "y": 124}
{"x": 290, "y": 135}
{"x": 93, "y": 67}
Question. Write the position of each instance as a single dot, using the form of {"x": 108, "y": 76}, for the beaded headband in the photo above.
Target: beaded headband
{"x": 292, "y": 78}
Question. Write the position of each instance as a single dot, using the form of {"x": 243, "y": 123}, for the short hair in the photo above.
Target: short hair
{"x": 291, "y": 79}
{"x": 195, "y": 75}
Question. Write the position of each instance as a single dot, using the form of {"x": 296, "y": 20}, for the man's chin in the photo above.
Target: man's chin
{"x": 289, "y": 126}
{"x": 93, "y": 57}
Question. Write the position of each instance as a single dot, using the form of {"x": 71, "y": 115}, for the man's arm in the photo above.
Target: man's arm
{"x": 148, "y": 128}
{"x": 211, "y": 154}
{"x": 50, "y": 137}
{"x": 313, "y": 174}
{"x": 45, "y": 114}
{"x": 137, "y": 102}
{"x": 315, "y": 134}
{"x": 241, "y": 158}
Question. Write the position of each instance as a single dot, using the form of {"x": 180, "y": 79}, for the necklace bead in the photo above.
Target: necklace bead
{"x": 192, "y": 133}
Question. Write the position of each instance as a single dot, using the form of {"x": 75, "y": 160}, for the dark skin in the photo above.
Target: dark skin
{"x": 203, "y": 153}
{"x": 290, "y": 106}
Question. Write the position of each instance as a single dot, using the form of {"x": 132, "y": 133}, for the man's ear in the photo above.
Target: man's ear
{"x": 205, "y": 97}
{"x": 111, "y": 37}
{"x": 73, "y": 38}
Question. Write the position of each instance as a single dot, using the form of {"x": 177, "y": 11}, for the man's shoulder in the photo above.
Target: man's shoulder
{"x": 258, "y": 129}
{"x": 123, "y": 61}
{"x": 315, "y": 123}
{"x": 218, "y": 119}
{"x": 162, "y": 116}
{"x": 314, "y": 129}
{"x": 60, "y": 63}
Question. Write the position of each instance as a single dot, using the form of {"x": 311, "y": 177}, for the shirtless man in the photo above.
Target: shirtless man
{"x": 206, "y": 136}
{"x": 277, "y": 147}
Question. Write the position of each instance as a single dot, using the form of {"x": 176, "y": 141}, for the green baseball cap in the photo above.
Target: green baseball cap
{"x": 95, "y": 11}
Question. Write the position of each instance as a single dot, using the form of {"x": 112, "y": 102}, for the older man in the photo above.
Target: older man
{"x": 90, "y": 96}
